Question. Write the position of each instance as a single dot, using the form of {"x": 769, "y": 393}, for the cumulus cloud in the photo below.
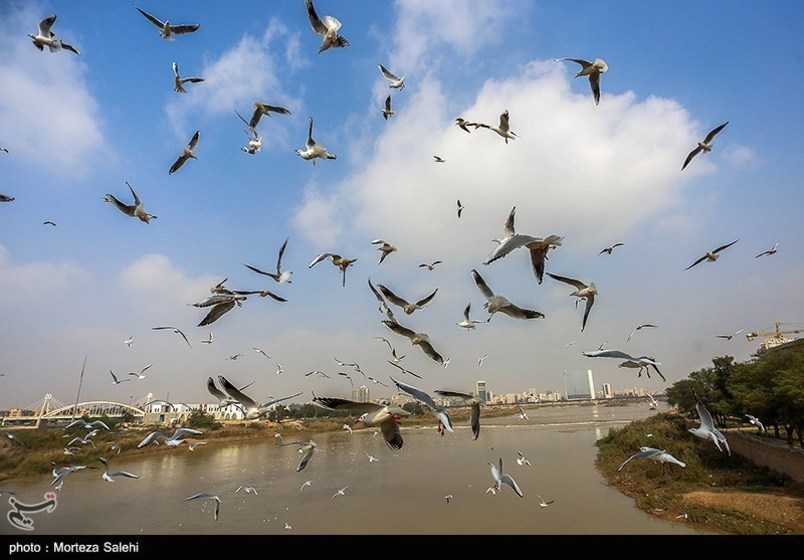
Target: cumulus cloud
{"x": 49, "y": 97}
{"x": 316, "y": 219}
{"x": 740, "y": 156}
{"x": 40, "y": 279}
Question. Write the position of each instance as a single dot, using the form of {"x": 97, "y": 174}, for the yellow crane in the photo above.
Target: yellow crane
{"x": 777, "y": 337}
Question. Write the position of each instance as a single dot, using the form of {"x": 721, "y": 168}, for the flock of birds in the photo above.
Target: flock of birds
{"x": 386, "y": 417}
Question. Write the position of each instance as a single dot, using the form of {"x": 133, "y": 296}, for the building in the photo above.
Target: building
{"x": 579, "y": 385}
{"x": 607, "y": 392}
{"x": 360, "y": 394}
{"x": 481, "y": 392}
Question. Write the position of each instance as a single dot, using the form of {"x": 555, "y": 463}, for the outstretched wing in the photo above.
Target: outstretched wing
{"x": 424, "y": 301}
{"x": 392, "y": 297}
{"x": 714, "y": 132}
{"x": 481, "y": 285}
{"x": 235, "y": 393}
{"x": 157, "y": 22}
{"x": 399, "y": 329}
{"x": 315, "y": 22}
{"x": 416, "y": 393}
{"x": 571, "y": 281}
{"x": 217, "y": 312}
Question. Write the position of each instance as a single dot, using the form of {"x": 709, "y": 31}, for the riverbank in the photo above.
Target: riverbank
{"x": 717, "y": 492}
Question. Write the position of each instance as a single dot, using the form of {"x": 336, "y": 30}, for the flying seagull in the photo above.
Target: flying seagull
{"x": 440, "y": 413}
{"x": 386, "y": 110}
{"x": 186, "y": 153}
{"x": 521, "y": 460}
{"x": 705, "y": 146}
{"x": 254, "y": 410}
{"x": 593, "y": 70}
{"x": 421, "y": 340}
{"x": 460, "y": 208}
{"x": 729, "y": 336}
{"x": 503, "y": 129}
{"x": 110, "y": 476}
{"x": 755, "y": 421}
{"x": 656, "y": 455}
{"x": 470, "y": 401}
{"x": 543, "y": 503}
{"x": 261, "y": 109}
{"x": 640, "y": 327}
{"x": 610, "y": 248}
{"x": 167, "y": 31}
{"x": 341, "y": 262}
{"x": 327, "y": 27}
{"x": 115, "y": 380}
{"x": 141, "y": 374}
{"x": 496, "y": 303}
{"x": 641, "y": 362}
{"x": 404, "y": 370}
{"x": 171, "y": 441}
{"x": 135, "y": 210}
{"x": 384, "y": 309}
{"x": 50, "y": 223}
{"x": 707, "y": 428}
{"x": 430, "y": 266}
{"x": 439, "y": 159}
{"x": 279, "y": 276}
{"x": 501, "y": 478}
{"x": 468, "y": 323}
{"x": 247, "y": 490}
{"x": 771, "y": 251}
{"x": 6, "y": 198}
{"x": 394, "y": 81}
{"x": 178, "y": 82}
{"x": 46, "y": 38}
{"x": 464, "y": 125}
{"x": 175, "y": 330}
{"x": 306, "y": 448}
{"x": 582, "y": 291}
{"x": 384, "y": 248}
{"x": 313, "y": 149}
{"x": 408, "y": 308}
{"x": 372, "y": 414}
{"x": 88, "y": 425}
{"x": 712, "y": 256}
{"x": 207, "y": 496}
{"x": 341, "y": 492}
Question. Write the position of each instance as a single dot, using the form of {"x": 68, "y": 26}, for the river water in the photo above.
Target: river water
{"x": 401, "y": 493}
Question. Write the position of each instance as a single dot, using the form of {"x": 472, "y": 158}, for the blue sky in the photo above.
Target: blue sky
{"x": 79, "y": 127}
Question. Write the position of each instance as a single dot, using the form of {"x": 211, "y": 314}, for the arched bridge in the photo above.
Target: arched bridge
{"x": 94, "y": 408}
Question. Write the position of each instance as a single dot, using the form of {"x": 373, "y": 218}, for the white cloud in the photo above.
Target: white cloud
{"x": 316, "y": 218}
{"x": 43, "y": 280}
{"x": 740, "y": 156}
{"x": 49, "y": 117}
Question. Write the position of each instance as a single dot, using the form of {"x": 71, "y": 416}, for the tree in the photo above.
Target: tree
{"x": 200, "y": 419}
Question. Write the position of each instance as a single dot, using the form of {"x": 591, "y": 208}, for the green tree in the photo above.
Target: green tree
{"x": 201, "y": 420}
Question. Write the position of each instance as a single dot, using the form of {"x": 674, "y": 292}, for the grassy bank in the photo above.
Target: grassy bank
{"x": 717, "y": 492}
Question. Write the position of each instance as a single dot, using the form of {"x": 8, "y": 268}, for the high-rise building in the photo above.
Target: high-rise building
{"x": 579, "y": 385}
{"x": 360, "y": 394}
{"x": 607, "y": 392}
{"x": 480, "y": 391}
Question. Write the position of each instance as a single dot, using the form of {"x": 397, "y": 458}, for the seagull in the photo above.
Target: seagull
{"x": 254, "y": 410}
{"x": 195, "y": 444}
{"x": 6, "y": 198}
{"x": 84, "y": 424}
{"x": 420, "y": 339}
{"x": 342, "y": 491}
{"x": 60, "y": 473}
{"x": 522, "y": 414}
{"x": 116, "y": 381}
{"x": 640, "y": 327}
{"x": 447, "y": 498}
{"x": 440, "y": 413}
{"x": 707, "y": 428}
{"x": 656, "y": 455}
{"x": 542, "y": 503}
{"x": 371, "y": 458}
{"x": 207, "y": 341}
{"x": 755, "y": 421}
{"x": 317, "y": 372}
{"x": 654, "y": 404}
{"x": 327, "y": 27}
{"x": 464, "y": 125}
{"x": 233, "y": 357}
{"x": 641, "y": 362}
{"x": 186, "y": 153}
{"x": 408, "y": 308}
{"x": 225, "y": 304}
{"x": 438, "y": 159}
{"x": 347, "y": 376}
{"x": 223, "y": 399}
{"x": 384, "y": 308}
{"x": 175, "y": 330}
{"x": 394, "y": 82}
{"x": 259, "y": 351}
{"x": 207, "y": 496}
{"x": 403, "y": 370}
{"x": 171, "y": 441}
{"x": 705, "y": 146}
{"x": 385, "y": 248}
{"x": 497, "y": 303}
{"x": 468, "y": 323}
{"x": 492, "y": 489}
{"x": 376, "y": 381}
{"x": 347, "y": 428}
{"x": 279, "y": 277}
{"x": 582, "y": 291}
{"x": 129, "y": 341}
{"x": 460, "y": 208}
{"x": 521, "y": 460}
{"x": 386, "y": 110}
{"x": 610, "y": 248}
{"x": 247, "y": 490}
{"x": 503, "y": 129}
{"x": 570, "y": 343}
{"x": 771, "y": 251}
{"x": 729, "y": 336}
{"x": 139, "y": 375}
{"x": 306, "y": 484}
{"x": 179, "y": 81}
{"x": 279, "y": 368}
{"x": 482, "y": 358}
{"x": 313, "y": 149}
{"x": 110, "y": 476}
{"x": 712, "y": 256}
{"x": 372, "y": 414}
{"x": 46, "y": 38}
{"x": 166, "y": 29}
{"x": 341, "y": 262}
{"x": 430, "y": 266}
{"x": 501, "y": 478}
{"x": 82, "y": 441}
{"x": 261, "y": 109}
{"x": 254, "y": 140}
{"x": 468, "y": 400}
{"x": 593, "y": 70}
{"x": 50, "y": 223}
{"x": 305, "y": 447}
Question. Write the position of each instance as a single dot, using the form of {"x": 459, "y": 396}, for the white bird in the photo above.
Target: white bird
{"x": 496, "y": 303}
{"x": 582, "y": 291}
{"x": 464, "y": 125}
{"x": 653, "y": 404}
{"x": 482, "y": 359}
{"x": 327, "y": 27}
{"x": 279, "y": 368}
{"x": 384, "y": 248}
{"x": 175, "y": 330}
{"x": 640, "y": 327}
{"x": 46, "y": 38}
{"x": 655, "y": 455}
{"x": 521, "y": 460}
{"x": 141, "y": 374}
{"x": 82, "y": 441}
{"x": 439, "y": 412}
{"x": 641, "y": 362}
{"x": 448, "y": 497}
{"x": 110, "y": 476}
{"x": 347, "y": 428}
{"x": 313, "y": 149}
{"x": 287, "y": 526}
{"x": 523, "y": 415}
{"x": 280, "y": 276}
{"x": 468, "y": 323}
{"x": 430, "y": 266}
{"x": 543, "y": 503}
{"x": 115, "y": 380}
{"x": 305, "y": 485}
{"x": 178, "y": 81}
{"x": 187, "y": 153}
{"x": 195, "y": 444}
{"x": 372, "y": 414}
{"x": 386, "y": 110}
{"x": 501, "y": 478}
{"x": 422, "y": 340}
{"x": 260, "y": 351}
{"x": 171, "y": 441}
{"x": 503, "y": 129}
{"x": 593, "y": 70}
{"x": 254, "y": 410}
{"x": 247, "y": 490}
{"x": 729, "y": 336}
{"x": 755, "y": 421}
{"x": 712, "y": 255}
{"x": 371, "y": 458}
{"x": 705, "y": 146}
{"x": 261, "y": 109}
{"x": 167, "y": 31}
{"x": 407, "y": 307}
{"x": 468, "y": 400}
{"x": 707, "y": 430}
{"x": 60, "y": 473}
{"x": 610, "y": 248}
{"x": 394, "y": 81}
{"x": 88, "y": 425}
{"x": 341, "y": 262}
{"x": 341, "y": 492}
{"x": 771, "y": 251}
{"x": 207, "y": 496}
{"x": 570, "y": 343}
{"x": 128, "y": 342}
{"x": 208, "y": 340}
{"x": 135, "y": 210}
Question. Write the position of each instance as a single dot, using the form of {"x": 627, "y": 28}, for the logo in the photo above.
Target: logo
{"x": 17, "y": 516}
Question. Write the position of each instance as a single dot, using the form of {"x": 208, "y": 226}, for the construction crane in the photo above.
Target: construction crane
{"x": 777, "y": 337}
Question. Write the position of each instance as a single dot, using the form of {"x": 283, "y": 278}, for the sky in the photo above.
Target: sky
{"x": 80, "y": 126}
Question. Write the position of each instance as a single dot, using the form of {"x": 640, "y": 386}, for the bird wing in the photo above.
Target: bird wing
{"x": 323, "y": 256}
{"x": 177, "y": 164}
{"x": 184, "y": 28}
{"x": 466, "y": 312}
{"x": 504, "y": 125}
{"x": 392, "y": 297}
{"x": 258, "y": 271}
{"x": 508, "y": 229}
{"x": 137, "y": 201}
{"x": 279, "y": 258}
{"x": 594, "y": 83}
{"x": 537, "y": 257}
{"x": 45, "y": 25}
{"x": 571, "y": 281}
{"x": 235, "y": 393}
{"x": 516, "y": 312}
{"x": 481, "y": 285}
{"x": 217, "y": 312}
{"x": 428, "y": 349}
{"x": 388, "y": 103}
{"x": 336, "y": 403}
{"x": 447, "y": 393}
{"x": 590, "y": 300}
{"x": 176, "y": 70}
{"x": 194, "y": 140}
{"x": 474, "y": 421}
{"x": 699, "y": 261}
{"x": 217, "y": 393}
{"x": 160, "y": 24}
{"x": 608, "y": 354}
{"x": 706, "y": 418}
{"x": 388, "y": 75}
{"x": 182, "y": 431}
{"x": 308, "y": 454}
{"x": 691, "y": 155}
{"x": 416, "y": 393}
{"x": 584, "y": 63}
{"x": 310, "y": 142}
{"x": 726, "y": 246}
{"x": 153, "y": 436}
{"x": 266, "y": 404}
{"x": 405, "y": 370}
{"x": 399, "y": 329}
{"x": 714, "y": 132}
{"x": 315, "y": 22}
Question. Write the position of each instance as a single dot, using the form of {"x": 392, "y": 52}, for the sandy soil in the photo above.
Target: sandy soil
{"x": 782, "y": 510}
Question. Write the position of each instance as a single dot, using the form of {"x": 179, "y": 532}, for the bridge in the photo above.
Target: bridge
{"x": 51, "y": 410}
